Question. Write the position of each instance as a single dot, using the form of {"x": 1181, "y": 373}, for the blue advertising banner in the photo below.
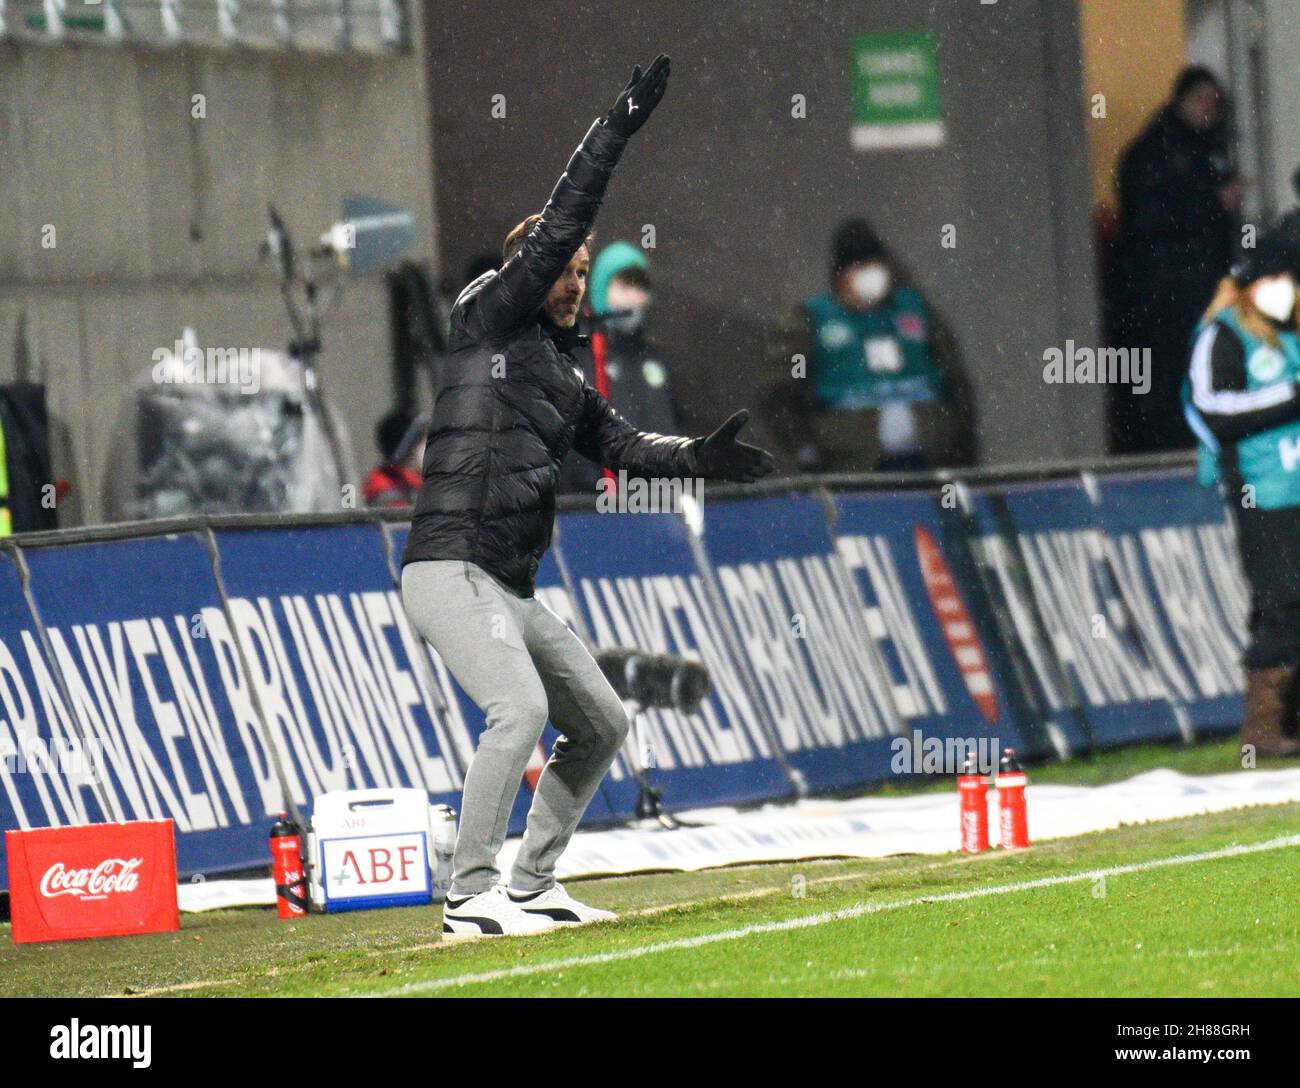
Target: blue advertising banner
{"x": 940, "y": 654}
{"x": 1048, "y": 551}
{"x": 638, "y": 586}
{"x": 152, "y": 672}
{"x": 1172, "y": 549}
{"x": 803, "y": 633}
{"x": 47, "y": 774}
{"x": 840, "y": 635}
{"x": 350, "y": 694}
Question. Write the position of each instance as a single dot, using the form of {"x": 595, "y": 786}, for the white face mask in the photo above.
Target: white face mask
{"x": 625, "y": 305}
{"x": 870, "y": 283}
{"x": 1275, "y": 297}
{"x": 621, "y": 295}
{"x": 627, "y": 321}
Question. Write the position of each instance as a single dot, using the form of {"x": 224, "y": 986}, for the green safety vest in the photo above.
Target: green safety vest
{"x": 1269, "y": 461}
{"x": 864, "y": 360}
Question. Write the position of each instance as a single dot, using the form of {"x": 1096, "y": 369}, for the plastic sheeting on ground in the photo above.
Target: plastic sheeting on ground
{"x": 868, "y": 827}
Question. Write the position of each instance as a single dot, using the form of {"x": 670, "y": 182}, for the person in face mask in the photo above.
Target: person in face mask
{"x": 622, "y": 363}
{"x": 1242, "y": 402}
{"x": 863, "y": 380}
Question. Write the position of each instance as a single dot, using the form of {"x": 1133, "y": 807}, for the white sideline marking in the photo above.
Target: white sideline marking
{"x": 858, "y": 910}
{"x": 663, "y": 908}
{"x": 177, "y": 988}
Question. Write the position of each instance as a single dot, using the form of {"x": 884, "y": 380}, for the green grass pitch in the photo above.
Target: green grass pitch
{"x": 1133, "y": 911}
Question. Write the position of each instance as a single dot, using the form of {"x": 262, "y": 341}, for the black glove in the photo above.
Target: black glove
{"x": 639, "y": 97}
{"x": 721, "y": 457}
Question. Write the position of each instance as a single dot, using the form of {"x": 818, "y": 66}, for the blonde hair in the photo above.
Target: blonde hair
{"x": 515, "y": 239}
{"x": 1232, "y": 294}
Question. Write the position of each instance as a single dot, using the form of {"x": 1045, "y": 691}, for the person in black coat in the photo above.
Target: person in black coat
{"x": 511, "y": 403}
{"x": 1179, "y": 201}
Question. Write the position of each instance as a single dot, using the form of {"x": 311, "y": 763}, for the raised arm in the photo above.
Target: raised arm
{"x": 513, "y": 295}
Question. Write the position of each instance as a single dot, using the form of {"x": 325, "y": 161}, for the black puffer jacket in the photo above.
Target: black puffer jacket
{"x": 511, "y": 401}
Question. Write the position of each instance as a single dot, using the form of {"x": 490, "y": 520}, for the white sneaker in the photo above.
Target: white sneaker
{"x": 559, "y": 906}
{"x": 489, "y": 914}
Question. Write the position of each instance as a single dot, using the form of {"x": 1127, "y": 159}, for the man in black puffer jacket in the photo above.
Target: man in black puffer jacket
{"x": 510, "y": 404}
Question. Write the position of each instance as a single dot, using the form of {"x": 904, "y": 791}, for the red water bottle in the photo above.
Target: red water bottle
{"x": 287, "y": 868}
{"x": 1013, "y": 820}
{"x": 973, "y": 793}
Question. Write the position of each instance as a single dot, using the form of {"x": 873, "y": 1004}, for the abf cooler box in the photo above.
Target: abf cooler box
{"x": 379, "y": 848}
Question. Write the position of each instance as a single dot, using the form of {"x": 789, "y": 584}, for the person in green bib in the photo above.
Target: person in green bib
{"x": 862, "y": 378}
{"x": 1242, "y": 400}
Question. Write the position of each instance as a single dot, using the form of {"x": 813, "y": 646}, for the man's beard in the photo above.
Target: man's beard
{"x": 562, "y": 315}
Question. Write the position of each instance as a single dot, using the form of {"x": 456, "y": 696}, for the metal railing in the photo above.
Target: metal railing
{"x": 932, "y": 480}
{"x": 876, "y": 481}
{"x": 366, "y": 26}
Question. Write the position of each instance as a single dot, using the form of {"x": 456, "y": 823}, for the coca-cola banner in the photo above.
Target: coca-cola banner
{"x": 102, "y": 880}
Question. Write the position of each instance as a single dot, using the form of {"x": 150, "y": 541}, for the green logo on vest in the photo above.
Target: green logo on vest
{"x": 1266, "y": 364}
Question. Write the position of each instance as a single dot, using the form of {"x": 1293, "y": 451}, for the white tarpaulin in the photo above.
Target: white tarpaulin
{"x": 868, "y": 827}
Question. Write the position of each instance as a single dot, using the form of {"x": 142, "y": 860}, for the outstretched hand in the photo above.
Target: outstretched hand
{"x": 721, "y": 457}
{"x": 639, "y": 97}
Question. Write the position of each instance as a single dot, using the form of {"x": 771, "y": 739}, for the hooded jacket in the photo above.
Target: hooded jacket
{"x": 512, "y": 401}
{"x": 632, "y": 372}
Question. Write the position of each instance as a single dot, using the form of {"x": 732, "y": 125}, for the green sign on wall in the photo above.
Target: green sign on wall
{"x": 896, "y": 91}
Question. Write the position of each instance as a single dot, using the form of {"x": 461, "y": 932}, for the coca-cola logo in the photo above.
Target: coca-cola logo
{"x": 110, "y": 877}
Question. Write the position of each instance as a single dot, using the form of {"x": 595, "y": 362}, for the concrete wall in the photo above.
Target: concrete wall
{"x": 1273, "y": 28}
{"x": 1253, "y": 45}
{"x": 159, "y": 216}
{"x": 1225, "y": 35}
{"x": 744, "y": 197}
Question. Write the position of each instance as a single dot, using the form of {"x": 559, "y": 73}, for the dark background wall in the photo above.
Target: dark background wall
{"x": 744, "y": 197}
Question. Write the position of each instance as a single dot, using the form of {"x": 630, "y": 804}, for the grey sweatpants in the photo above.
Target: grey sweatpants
{"x": 518, "y": 661}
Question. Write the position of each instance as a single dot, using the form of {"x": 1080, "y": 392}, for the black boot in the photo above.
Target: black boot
{"x": 1264, "y": 725}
